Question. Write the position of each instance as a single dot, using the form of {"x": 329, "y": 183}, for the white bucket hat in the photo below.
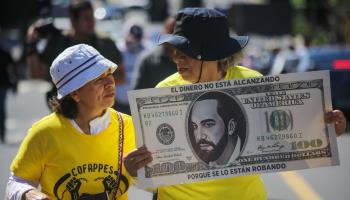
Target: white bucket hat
{"x": 76, "y": 66}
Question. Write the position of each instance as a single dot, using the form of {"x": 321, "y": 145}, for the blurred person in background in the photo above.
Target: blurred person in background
{"x": 285, "y": 61}
{"x": 131, "y": 51}
{"x": 155, "y": 64}
{"x": 83, "y": 31}
{"x": 204, "y": 51}
{"x": 158, "y": 10}
{"x": 8, "y": 80}
{"x": 76, "y": 152}
{"x": 305, "y": 63}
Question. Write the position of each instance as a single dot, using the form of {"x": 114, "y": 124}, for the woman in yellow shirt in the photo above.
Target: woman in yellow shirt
{"x": 204, "y": 51}
{"x": 76, "y": 152}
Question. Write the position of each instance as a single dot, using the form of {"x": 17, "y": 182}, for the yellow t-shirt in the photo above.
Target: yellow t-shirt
{"x": 69, "y": 164}
{"x": 238, "y": 188}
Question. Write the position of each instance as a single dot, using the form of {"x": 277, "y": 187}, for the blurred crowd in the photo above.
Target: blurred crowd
{"x": 128, "y": 39}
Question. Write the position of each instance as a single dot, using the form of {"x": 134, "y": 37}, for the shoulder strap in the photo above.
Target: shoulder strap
{"x": 120, "y": 154}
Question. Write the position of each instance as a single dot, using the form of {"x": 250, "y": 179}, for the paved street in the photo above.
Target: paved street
{"x": 328, "y": 183}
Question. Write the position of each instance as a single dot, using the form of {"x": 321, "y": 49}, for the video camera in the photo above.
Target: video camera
{"x": 45, "y": 27}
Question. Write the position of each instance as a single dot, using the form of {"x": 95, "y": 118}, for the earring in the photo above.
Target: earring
{"x": 231, "y": 126}
{"x": 75, "y": 97}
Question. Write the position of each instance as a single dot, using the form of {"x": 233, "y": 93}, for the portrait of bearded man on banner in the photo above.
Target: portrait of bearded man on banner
{"x": 217, "y": 129}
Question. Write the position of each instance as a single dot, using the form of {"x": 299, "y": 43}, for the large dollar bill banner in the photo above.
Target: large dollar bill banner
{"x": 231, "y": 128}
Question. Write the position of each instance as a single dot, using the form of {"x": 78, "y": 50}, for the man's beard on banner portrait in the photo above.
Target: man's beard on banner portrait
{"x": 211, "y": 155}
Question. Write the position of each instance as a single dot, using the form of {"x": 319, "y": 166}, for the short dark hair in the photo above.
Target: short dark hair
{"x": 136, "y": 31}
{"x": 78, "y": 6}
{"x": 65, "y": 106}
{"x": 227, "y": 108}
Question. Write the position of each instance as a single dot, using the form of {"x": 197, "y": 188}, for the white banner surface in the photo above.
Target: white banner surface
{"x": 237, "y": 127}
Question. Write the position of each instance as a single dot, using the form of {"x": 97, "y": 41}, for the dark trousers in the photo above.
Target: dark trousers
{"x": 3, "y": 92}
{"x": 122, "y": 108}
{"x": 155, "y": 196}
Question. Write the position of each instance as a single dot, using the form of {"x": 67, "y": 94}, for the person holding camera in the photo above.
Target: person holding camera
{"x": 83, "y": 31}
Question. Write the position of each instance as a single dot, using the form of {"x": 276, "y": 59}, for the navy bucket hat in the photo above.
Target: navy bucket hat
{"x": 203, "y": 34}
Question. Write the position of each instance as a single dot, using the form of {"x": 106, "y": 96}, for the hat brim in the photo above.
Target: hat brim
{"x": 220, "y": 50}
{"x": 87, "y": 75}
{"x": 181, "y": 43}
